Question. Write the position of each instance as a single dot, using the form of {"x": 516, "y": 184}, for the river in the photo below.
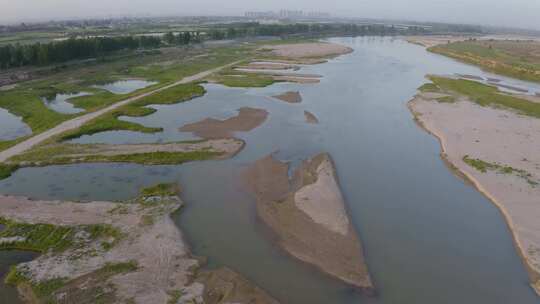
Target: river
{"x": 428, "y": 236}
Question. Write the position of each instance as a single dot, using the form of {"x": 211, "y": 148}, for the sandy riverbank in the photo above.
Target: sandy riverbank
{"x": 309, "y": 217}
{"x": 165, "y": 270}
{"x": 505, "y": 145}
{"x": 308, "y": 50}
{"x": 246, "y": 120}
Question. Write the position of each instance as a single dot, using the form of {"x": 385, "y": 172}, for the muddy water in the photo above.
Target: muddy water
{"x": 429, "y": 238}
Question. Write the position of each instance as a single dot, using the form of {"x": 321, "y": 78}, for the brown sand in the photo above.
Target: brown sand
{"x": 150, "y": 238}
{"x": 246, "y": 120}
{"x": 308, "y": 50}
{"x": 310, "y": 118}
{"x": 290, "y": 97}
{"x": 309, "y": 218}
{"x": 302, "y": 80}
{"x": 495, "y": 136}
{"x": 224, "y": 286}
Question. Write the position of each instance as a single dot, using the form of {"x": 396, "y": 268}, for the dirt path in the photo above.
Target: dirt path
{"x": 81, "y": 120}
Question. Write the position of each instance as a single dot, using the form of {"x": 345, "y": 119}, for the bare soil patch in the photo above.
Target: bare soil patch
{"x": 311, "y": 118}
{"x": 308, "y": 216}
{"x": 290, "y": 97}
{"x": 246, "y": 120}
{"x": 308, "y": 50}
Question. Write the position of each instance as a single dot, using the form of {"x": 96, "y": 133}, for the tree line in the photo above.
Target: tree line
{"x": 18, "y": 55}
{"x": 349, "y": 29}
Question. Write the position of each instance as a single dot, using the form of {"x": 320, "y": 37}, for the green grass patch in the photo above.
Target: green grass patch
{"x": 429, "y": 88}
{"x": 486, "y": 95}
{"x": 163, "y": 189}
{"x": 45, "y": 237}
{"x": 138, "y": 108}
{"x": 484, "y": 167}
{"x": 7, "y": 170}
{"x": 518, "y": 59}
{"x": 447, "y": 99}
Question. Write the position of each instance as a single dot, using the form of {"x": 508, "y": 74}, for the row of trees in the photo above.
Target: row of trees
{"x": 255, "y": 29}
{"x": 61, "y": 51}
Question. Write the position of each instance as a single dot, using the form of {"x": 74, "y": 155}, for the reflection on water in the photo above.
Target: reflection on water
{"x": 11, "y": 126}
{"x": 428, "y": 237}
{"x": 125, "y": 86}
{"x": 60, "y": 103}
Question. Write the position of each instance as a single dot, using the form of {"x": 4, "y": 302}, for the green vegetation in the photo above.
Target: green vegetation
{"x": 429, "y": 88}
{"x": 163, "y": 67}
{"x": 62, "y": 154}
{"x": 486, "y": 95}
{"x": 238, "y": 80}
{"x": 90, "y": 291}
{"x": 7, "y": 170}
{"x": 519, "y": 59}
{"x": 163, "y": 190}
{"x": 45, "y": 237}
{"x": 484, "y": 167}
{"x": 174, "y": 296}
{"x": 110, "y": 121}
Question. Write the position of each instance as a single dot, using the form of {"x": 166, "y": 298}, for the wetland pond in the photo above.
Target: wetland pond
{"x": 125, "y": 86}
{"x": 60, "y": 103}
{"x": 428, "y": 237}
{"x": 11, "y": 126}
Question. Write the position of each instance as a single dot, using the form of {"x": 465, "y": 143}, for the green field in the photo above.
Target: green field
{"x": 519, "y": 59}
{"x": 484, "y": 95}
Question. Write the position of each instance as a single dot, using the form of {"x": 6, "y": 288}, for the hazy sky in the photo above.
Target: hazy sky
{"x": 517, "y": 13}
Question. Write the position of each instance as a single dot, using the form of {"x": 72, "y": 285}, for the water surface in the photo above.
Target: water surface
{"x": 428, "y": 237}
{"x": 125, "y": 86}
{"x": 61, "y": 104}
{"x": 11, "y": 126}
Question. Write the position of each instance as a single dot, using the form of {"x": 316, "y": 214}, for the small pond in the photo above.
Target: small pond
{"x": 11, "y": 126}
{"x": 61, "y": 104}
{"x": 125, "y": 86}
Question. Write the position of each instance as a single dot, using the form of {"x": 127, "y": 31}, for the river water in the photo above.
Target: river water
{"x": 428, "y": 236}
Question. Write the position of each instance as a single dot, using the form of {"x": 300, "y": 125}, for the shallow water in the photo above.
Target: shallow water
{"x": 8, "y": 294}
{"x": 60, "y": 103}
{"x": 11, "y": 126}
{"x": 125, "y": 86}
{"x": 428, "y": 237}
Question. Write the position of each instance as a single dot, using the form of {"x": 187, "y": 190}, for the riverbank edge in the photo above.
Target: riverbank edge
{"x": 534, "y": 275}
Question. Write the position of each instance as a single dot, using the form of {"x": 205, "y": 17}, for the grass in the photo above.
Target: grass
{"x": 518, "y": 59}
{"x": 111, "y": 122}
{"x": 484, "y": 167}
{"x": 7, "y": 170}
{"x": 45, "y": 237}
{"x": 163, "y": 189}
{"x": 44, "y": 290}
{"x": 486, "y": 95}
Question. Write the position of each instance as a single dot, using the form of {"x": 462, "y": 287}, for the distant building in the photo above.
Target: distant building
{"x": 261, "y": 15}
{"x": 287, "y": 14}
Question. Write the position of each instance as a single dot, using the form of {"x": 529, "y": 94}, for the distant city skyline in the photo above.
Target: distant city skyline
{"x": 509, "y": 13}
